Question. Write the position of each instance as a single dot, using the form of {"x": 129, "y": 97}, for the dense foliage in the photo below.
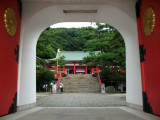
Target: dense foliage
{"x": 65, "y": 39}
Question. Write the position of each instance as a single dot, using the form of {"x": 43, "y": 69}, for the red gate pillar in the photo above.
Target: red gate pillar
{"x": 74, "y": 69}
{"x": 86, "y": 70}
{"x": 9, "y": 51}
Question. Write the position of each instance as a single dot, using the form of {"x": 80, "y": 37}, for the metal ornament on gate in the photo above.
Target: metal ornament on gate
{"x": 10, "y": 21}
{"x": 149, "y": 21}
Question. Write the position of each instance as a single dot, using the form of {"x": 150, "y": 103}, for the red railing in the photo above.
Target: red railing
{"x": 59, "y": 78}
{"x": 59, "y": 69}
{"x": 95, "y": 70}
{"x": 62, "y": 69}
{"x": 99, "y": 80}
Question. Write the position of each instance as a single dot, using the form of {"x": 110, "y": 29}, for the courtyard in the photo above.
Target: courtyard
{"x": 80, "y": 106}
{"x": 80, "y": 100}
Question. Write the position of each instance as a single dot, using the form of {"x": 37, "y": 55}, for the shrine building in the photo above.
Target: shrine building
{"x": 74, "y": 63}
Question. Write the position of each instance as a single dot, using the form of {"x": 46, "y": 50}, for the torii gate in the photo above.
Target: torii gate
{"x": 18, "y": 79}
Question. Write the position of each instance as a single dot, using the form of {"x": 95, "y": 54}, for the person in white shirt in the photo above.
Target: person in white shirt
{"x": 61, "y": 88}
{"x": 54, "y": 88}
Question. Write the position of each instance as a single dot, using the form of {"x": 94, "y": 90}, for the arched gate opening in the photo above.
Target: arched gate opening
{"x": 33, "y": 24}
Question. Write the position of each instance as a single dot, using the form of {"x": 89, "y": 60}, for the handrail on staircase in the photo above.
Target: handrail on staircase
{"x": 59, "y": 78}
{"x": 99, "y": 80}
{"x": 59, "y": 70}
{"x": 95, "y": 70}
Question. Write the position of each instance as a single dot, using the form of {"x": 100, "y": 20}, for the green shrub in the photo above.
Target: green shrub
{"x": 43, "y": 76}
{"x": 111, "y": 76}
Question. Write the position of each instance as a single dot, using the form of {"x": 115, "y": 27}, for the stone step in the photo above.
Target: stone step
{"x": 80, "y": 84}
{"x": 74, "y": 91}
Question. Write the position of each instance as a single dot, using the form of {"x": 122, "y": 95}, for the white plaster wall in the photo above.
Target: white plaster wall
{"x": 38, "y": 16}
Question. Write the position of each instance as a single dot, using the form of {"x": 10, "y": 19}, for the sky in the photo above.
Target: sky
{"x": 73, "y": 24}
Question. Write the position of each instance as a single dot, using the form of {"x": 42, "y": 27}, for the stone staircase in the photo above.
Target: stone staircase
{"x": 80, "y": 83}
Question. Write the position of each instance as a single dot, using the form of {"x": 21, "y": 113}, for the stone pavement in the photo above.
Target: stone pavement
{"x": 82, "y": 100}
{"x": 83, "y": 106}
{"x": 91, "y": 113}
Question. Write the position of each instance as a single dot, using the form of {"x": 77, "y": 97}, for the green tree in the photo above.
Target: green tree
{"x": 45, "y": 51}
{"x": 41, "y": 62}
{"x": 61, "y": 62}
{"x": 112, "y": 47}
{"x": 111, "y": 44}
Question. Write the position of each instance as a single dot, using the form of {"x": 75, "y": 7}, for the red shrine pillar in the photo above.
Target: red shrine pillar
{"x": 55, "y": 68}
{"x": 74, "y": 69}
{"x": 86, "y": 70}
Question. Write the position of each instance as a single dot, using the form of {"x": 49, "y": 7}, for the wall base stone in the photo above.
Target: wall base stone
{"x": 134, "y": 106}
{"x": 25, "y": 107}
